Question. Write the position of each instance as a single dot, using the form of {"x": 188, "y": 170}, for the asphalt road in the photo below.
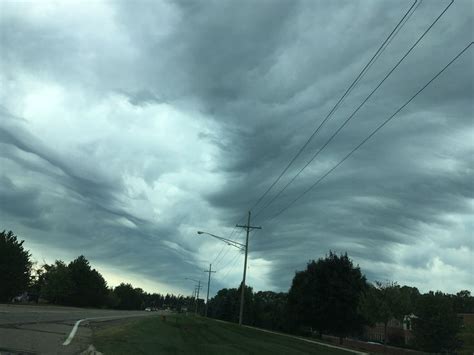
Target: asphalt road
{"x": 38, "y": 329}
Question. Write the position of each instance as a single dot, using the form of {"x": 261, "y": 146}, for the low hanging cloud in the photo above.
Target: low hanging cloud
{"x": 126, "y": 127}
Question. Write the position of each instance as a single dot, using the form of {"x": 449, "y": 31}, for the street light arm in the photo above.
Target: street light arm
{"x": 228, "y": 241}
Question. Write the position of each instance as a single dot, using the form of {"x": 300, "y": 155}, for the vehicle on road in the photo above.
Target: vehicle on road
{"x": 26, "y": 297}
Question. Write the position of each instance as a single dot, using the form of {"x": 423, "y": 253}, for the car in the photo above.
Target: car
{"x": 26, "y": 297}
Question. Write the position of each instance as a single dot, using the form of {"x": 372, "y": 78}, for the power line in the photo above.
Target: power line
{"x": 355, "y": 111}
{"x": 228, "y": 237}
{"x": 224, "y": 245}
{"x": 399, "y": 28}
{"x": 373, "y": 132}
{"x": 235, "y": 256}
{"x": 227, "y": 250}
{"x": 335, "y": 107}
{"x": 348, "y": 90}
{"x": 233, "y": 261}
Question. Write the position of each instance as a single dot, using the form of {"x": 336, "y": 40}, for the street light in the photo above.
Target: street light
{"x": 227, "y": 241}
{"x": 243, "y": 247}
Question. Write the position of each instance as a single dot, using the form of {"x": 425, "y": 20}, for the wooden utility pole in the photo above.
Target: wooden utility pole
{"x": 248, "y": 227}
{"x": 198, "y": 288}
{"x": 208, "y": 285}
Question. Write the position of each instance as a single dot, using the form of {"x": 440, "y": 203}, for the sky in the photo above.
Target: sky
{"x": 127, "y": 126}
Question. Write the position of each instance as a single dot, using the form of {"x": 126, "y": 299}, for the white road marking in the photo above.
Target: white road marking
{"x": 73, "y": 332}
{"x": 76, "y": 325}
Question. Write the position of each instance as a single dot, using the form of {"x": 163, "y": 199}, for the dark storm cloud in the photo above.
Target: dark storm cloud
{"x": 17, "y": 202}
{"x": 263, "y": 140}
{"x": 263, "y": 75}
{"x": 83, "y": 219}
{"x": 73, "y": 176}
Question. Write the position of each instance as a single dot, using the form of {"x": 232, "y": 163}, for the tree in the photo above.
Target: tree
{"x": 369, "y": 305}
{"x": 129, "y": 297}
{"x": 55, "y": 283}
{"x": 248, "y": 314}
{"x": 90, "y": 288}
{"x": 270, "y": 310}
{"x": 225, "y": 305}
{"x": 389, "y": 304}
{"x": 409, "y": 298}
{"x": 15, "y": 266}
{"x": 463, "y": 302}
{"x": 437, "y": 325}
{"x": 326, "y": 296}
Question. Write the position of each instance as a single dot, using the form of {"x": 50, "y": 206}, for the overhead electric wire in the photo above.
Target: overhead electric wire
{"x": 346, "y": 93}
{"x": 372, "y": 133}
{"x": 218, "y": 254}
{"x": 224, "y": 245}
{"x": 355, "y": 111}
{"x": 379, "y": 51}
{"x": 226, "y": 252}
{"x": 348, "y": 90}
{"x": 398, "y": 30}
{"x": 239, "y": 252}
{"x": 233, "y": 261}
{"x": 228, "y": 237}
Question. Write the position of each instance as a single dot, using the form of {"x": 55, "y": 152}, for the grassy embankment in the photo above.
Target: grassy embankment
{"x": 196, "y": 335}
{"x": 467, "y": 337}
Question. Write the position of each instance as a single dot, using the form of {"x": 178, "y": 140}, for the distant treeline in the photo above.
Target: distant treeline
{"x": 74, "y": 284}
{"x": 331, "y": 296}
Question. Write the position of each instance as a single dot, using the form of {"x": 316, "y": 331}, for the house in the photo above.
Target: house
{"x": 397, "y": 332}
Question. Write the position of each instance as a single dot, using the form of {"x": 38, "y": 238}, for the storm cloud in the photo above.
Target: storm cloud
{"x": 125, "y": 127}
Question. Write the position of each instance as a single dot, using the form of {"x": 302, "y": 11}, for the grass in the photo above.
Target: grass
{"x": 467, "y": 336}
{"x": 181, "y": 334}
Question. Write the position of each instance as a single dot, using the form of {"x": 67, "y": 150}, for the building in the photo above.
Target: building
{"x": 397, "y": 332}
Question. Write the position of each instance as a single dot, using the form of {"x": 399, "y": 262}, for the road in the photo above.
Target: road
{"x": 38, "y": 329}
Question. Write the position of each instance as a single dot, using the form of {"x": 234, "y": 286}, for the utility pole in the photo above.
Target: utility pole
{"x": 195, "y": 293}
{"x": 208, "y": 285}
{"x": 248, "y": 227}
{"x": 198, "y": 288}
{"x": 192, "y": 299}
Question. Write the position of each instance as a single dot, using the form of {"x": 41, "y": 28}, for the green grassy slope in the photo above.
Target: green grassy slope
{"x": 190, "y": 335}
{"x": 467, "y": 337}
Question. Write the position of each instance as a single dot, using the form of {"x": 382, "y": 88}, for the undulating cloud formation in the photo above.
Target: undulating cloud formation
{"x": 126, "y": 126}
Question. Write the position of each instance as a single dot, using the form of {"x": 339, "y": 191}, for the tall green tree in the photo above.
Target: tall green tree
{"x": 389, "y": 304}
{"x": 326, "y": 296}
{"x": 15, "y": 266}
{"x": 463, "y": 302}
{"x": 225, "y": 305}
{"x": 369, "y": 305}
{"x": 270, "y": 310}
{"x": 128, "y": 297}
{"x": 55, "y": 283}
{"x": 437, "y": 326}
{"x": 89, "y": 287}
